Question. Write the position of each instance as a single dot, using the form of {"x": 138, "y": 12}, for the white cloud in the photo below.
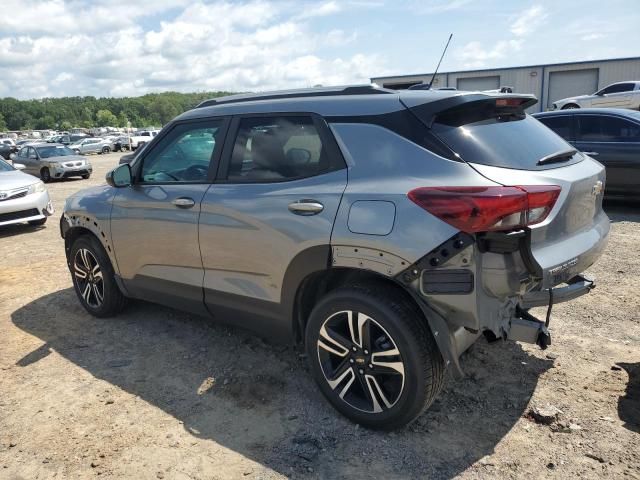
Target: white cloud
{"x": 528, "y": 21}
{"x": 118, "y": 47}
{"x": 592, "y": 36}
{"x": 474, "y": 55}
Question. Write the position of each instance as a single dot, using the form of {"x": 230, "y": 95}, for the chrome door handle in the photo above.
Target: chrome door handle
{"x": 184, "y": 202}
{"x": 306, "y": 207}
{"x": 591, "y": 154}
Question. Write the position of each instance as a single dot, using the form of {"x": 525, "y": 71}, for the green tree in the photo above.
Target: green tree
{"x": 66, "y": 125}
{"x": 3, "y": 124}
{"x": 104, "y": 118}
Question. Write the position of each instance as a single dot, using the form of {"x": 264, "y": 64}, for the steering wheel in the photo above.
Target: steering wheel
{"x": 193, "y": 172}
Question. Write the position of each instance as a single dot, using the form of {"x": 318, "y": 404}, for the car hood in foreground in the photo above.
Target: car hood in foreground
{"x": 15, "y": 179}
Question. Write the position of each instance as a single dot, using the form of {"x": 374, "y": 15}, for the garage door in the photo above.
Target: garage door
{"x": 473, "y": 84}
{"x": 571, "y": 83}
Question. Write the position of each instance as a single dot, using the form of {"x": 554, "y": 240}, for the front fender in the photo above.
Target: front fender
{"x": 90, "y": 210}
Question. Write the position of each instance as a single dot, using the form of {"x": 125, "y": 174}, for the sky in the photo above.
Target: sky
{"x": 53, "y": 48}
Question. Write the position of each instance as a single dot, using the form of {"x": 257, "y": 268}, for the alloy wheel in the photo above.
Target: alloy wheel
{"x": 360, "y": 361}
{"x": 88, "y": 275}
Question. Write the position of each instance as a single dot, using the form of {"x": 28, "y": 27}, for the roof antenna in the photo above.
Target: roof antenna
{"x": 427, "y": 86}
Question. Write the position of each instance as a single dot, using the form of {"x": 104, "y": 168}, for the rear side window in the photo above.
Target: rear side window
{"x": 509, "y": 139}
{"x": 271, "y": 149}
{"x": 603, "y": 128}
{"x": 561, "y": 125}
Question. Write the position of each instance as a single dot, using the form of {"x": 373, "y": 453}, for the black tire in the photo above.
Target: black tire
{"x": 394, "y": 324}
{"x": 569, "y": 106}
{"x": 106, "y": 150}
{"x": 86, "y": 176}
{"x": 45, "y": 175}
{"x": 112, "y": 301}
{"x": 38, "y": 223}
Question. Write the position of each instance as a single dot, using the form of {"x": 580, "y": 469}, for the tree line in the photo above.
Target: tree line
{"x": 86, "y": 112}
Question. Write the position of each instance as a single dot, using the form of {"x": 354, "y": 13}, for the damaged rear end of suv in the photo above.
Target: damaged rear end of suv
{"x": 382, "y": 231}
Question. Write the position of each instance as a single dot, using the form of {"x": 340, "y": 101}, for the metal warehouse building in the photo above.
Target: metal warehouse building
{"x": 547, "y": 82}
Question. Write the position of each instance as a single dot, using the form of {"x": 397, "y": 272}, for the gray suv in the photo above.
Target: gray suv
{"x": 384, "y": 231}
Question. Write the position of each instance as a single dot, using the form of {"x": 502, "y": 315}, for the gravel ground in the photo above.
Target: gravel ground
{"x": 157, "y": 393}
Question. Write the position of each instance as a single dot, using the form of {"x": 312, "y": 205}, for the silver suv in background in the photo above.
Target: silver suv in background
{"x": 383, "y": 231}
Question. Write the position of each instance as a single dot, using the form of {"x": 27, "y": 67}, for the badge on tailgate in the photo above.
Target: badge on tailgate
{"x": 562, "y": 272}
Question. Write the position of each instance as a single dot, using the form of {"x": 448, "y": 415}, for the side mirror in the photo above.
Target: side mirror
{"x": 19, "y": 166}
{"x": 12, "y": 156}
{"x": 120, "y": 176}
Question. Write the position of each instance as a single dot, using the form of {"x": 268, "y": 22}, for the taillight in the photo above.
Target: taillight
{"x": 482, "y": 209}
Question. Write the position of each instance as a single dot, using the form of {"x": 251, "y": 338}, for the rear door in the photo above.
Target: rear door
{"x": 614, "y": 142}
{"x": 268, "y": 219}
{"x": 154, "y": 223}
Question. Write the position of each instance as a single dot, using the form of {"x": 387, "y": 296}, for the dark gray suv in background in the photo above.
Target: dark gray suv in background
{"x": 384, "y": 231}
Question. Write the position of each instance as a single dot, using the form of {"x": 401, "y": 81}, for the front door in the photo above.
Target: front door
{"x": 154, "y": 223}
{"x": 267, "y": 221}
{"x": 617, "y": 95}
{"x": 614, "y": 142}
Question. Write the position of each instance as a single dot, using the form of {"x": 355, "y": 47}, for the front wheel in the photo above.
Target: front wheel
{"x": 373, "y": 356}
{"x": 94, "y": 278}
{"x": 45, "y": 175}
{"x": 86, "y": 176}
{"x": 569, "y": 106}
{"x": 106, "y": 149}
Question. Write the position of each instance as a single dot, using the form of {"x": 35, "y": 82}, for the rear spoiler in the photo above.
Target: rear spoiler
{"x": 428, "y": 111}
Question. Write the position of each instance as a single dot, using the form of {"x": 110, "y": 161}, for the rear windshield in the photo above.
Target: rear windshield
{"x": 512, "y": 140}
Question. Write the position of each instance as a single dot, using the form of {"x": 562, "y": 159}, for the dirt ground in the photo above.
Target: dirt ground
{"x": 156, "y": 393}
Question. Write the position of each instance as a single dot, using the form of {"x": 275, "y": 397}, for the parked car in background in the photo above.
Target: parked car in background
{"x": 618, "y": 95}
{"x": 611, "y": 136}
{"x": 384, "y": 231}
{"x": 6, "y": 150}
{"x": 130, "y": 157}
{"x": 23, "y": 198}
{"x": 121, "y": 143}
{"x": 69, "y": 139}
{"x": 49, "y": 161}
{"x": 91, "y": 145}
{"x": 140, "y": 138}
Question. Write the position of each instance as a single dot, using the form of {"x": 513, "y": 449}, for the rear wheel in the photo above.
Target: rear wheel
{"x": 45, "y": 175}
{"x": 94, "y": 279}
{"x": 373, "y": 356}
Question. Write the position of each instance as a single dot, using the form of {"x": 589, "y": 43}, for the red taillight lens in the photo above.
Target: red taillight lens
{"x": 481, "y": 209}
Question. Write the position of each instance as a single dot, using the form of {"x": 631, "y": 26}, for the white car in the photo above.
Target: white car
{"x": 617, "y": 95}
{"x": 23, "y": 198}
{"x": 92, "y": 145}
{"x": 141, "y": 137}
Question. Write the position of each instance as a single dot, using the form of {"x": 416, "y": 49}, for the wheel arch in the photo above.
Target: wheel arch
{"x": 317, "y": 284}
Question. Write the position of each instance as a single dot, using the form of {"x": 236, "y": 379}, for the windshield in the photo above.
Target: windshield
{"x": 54, "y": 151}
{"x": 5, "y": 167}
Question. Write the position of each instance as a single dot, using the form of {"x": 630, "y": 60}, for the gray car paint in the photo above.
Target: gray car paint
{"x": 247, "y": 235}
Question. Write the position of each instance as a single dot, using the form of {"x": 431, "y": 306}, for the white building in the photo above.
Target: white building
{"x": 547, "y": 82}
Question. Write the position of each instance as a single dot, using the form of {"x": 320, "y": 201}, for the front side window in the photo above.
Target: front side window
{"x": 560, "y": 124}
{"x": 24, "y": 152}
{"x": 617, "y": 88}
{"x": 184, "y": 154}
{"x": 280, "y": 148}
{"x": 602, "y": 128}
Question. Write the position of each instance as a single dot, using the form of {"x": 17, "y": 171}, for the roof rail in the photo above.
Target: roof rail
{"x": 368, "y": 89}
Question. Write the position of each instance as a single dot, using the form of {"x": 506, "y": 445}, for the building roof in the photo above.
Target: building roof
{"x": 373, "y": 79}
